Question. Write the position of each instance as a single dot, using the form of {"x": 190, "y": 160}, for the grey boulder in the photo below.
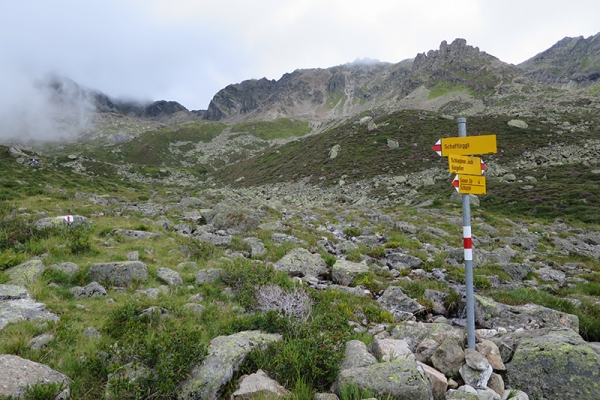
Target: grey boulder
{"x": 19, "y": 373}
{"x": 400, "y": 379}
{"x": 122, "y": 273}
{"x": 301, "y": 262}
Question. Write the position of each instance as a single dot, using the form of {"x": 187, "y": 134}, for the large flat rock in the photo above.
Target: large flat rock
{"x": 16, "y": 304}
{"x": 17, "y": 373}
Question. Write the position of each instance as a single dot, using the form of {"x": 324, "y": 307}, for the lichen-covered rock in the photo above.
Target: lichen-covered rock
{"x": 122, "y": 273}
{"x": 208, "y": 275}
{"x": 343, "y": 272}
{"x": 554, "y": 364}
{"x": 13, "y": 292}
{"x": 357, "y": 355}
{"x": 449, "y": 357}
{"x": 415, "y": 332}
{"x": 257, "y": 248}
{"x": 94, "y": 289}
{"x": 27, "y": 272}
{"x": 225, "y": 217}
{"x": 438, "y": 381}
{"x": 400, "y": 379}
{"x": 491, "y": 314}
{"x": 390, "y": 349}
{"x": 169, "y": 276}
{"x": 453, "y": 394}
{"x": 301, "y": 262}
{"x": 68, "y": 268}
{"x": 399, "y": 304}
{"x": 18, "y": 373}
{"x": 401, "y": 261}
{"x": 259, "y": 385}
{"x": 135, "y": 234}
{"x": 225, "y": 355}
{"x": 40, "y": 341}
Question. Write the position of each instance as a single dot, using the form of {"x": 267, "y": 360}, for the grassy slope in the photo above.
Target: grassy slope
{"x": 277, "y": 129}
{"x": 366, "y": 154}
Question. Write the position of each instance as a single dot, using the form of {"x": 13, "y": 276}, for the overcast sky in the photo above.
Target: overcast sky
{"x": 187, "y": 50}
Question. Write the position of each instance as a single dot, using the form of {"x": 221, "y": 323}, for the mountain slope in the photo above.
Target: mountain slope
{"x": 456, "y": 78}
{"x": 574, "y": 61}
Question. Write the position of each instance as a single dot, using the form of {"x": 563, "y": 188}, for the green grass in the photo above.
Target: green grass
{"x": 280, "y": 128}
{"x": 154, "y": 148}
{"x": 441, "y": 88}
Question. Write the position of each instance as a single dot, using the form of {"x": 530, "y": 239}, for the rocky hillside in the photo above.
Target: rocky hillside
{"x": 455, "y": 78}
{"x": 111, "y": 290}
{"x": 573, "y": 62}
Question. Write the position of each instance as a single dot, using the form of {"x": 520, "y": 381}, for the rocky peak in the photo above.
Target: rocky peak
{"x": 163, "y": 107}
{"x": 240, "y": 98}
{"x": 456, "y": 52}
{"x": 459, "y": 64}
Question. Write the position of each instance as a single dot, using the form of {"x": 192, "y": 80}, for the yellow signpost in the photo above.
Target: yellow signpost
{"x": 470, "y": 184}
{"x": 468, "y": 181}
{"x": 464, "y": 165}
{"x": 485, "y": 144}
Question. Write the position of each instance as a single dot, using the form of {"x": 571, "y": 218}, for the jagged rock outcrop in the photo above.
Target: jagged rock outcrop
{"x": 310, "y": 94}
{"x": 459, "y": 64}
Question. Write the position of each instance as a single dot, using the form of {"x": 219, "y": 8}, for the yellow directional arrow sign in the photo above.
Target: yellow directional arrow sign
{"x": 469, "y": 184}
{"x": 469, "y": 145}
{"x": 465, "y": 165}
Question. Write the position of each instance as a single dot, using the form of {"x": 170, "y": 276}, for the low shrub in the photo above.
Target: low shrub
{"x": 167, "y": 346}
{"x": 351, "y": 231}
{"x": 196, "y": 250}
{"x": 481, "y": 282}
{"x": 245, "y": 277}
{"x": 368, "y": 280}
{"x": 10, "y": 258}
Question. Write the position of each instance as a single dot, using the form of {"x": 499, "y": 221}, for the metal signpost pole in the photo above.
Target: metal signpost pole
{"x": 468, "y": 248}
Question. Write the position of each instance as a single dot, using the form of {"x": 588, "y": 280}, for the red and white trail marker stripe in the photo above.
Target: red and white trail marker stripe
{"x": 437, "y": 147}
{"x": 455, "y": 183}
{"x": 468, "y": 243}
{"x": 483, "y": 167}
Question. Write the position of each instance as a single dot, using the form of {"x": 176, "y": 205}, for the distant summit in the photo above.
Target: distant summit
{"x": 364, "y": 61}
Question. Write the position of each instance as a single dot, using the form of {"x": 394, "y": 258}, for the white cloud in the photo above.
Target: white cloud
{"x": 186, "y": 50}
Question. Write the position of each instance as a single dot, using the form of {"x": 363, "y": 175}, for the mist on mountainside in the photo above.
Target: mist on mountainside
{"x": 39, "y": 109}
